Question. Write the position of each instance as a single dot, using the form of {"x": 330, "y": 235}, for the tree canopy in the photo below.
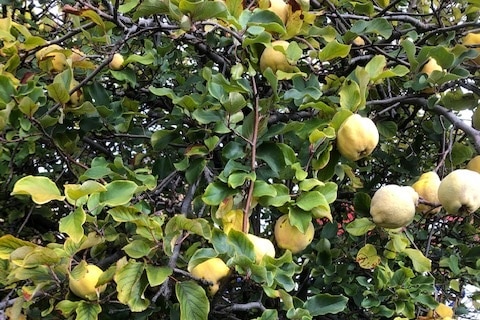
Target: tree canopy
{"x": 150, "y": 137}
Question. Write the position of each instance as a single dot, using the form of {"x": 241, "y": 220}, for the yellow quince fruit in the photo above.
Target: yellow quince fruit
{"x": 85, "y": 287}
{"x": 474, "y": 164}
{"x": 357, "y": 137}
{"x": 459, "y": 192}
{"x": 261, "y": 246}
{"x": 393, "y": 206}
{"x": 289, "y": 237}
{"x": 427, "y": 188}
{"x": 213, "y": 270}
{"x": 275, "y": 59}
{"x": 280, "y": 8}
{"x": 117, "y": 62}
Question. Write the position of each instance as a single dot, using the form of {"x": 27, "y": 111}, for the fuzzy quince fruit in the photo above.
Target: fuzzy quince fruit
{"x": 357, "y": 137}
{"x": 280, "y": 8}
{"x": 51, "y": 58}
{"x": 459, "y": 192}
{"x": 431, "y": 66}
{"x": 472, "y": 39}
{"x": 474, "y": 164}
{"x": 117, "y": 62}
{"x": 212, "y": 270}
{"x": 275, "y": 59}
{"x": 289, "y": 237}
{"x": 76, "y": 98}
{"x": 262, "y": 247}
{"x": 393, "y": 206}
{"x": 427, "y": 188}
{"x": 85, "y": 287}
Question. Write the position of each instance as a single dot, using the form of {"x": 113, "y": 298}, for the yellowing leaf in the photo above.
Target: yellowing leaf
{"x": 420, "y": 262}
{"x": 367, "y": 257}
{"x": 41, "y": 189}
{"x": 233, "y": 220}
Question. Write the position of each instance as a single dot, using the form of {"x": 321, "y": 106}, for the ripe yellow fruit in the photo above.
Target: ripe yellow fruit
{"x": 280, "y": 8}
{"x": 117, "y": 62}
{"x": 393, "y": 206}
{"x": 85, "y": 286}
{"x": 476, "y": 118}
{"x": 76, "y": 98}
{"x": 261, "y": 247}
{"x": 431, "y": 66}
{"x": 275, "y": 59}
{"x": 212, "y": 270}
{"x": 357, "y": 137}
{"x": 51, "y": 59}
{"x": 474, "y": 164}
{"x": 444, "y": 311}
{"x": 472, "y": 39}
{"x": 358, "y": 41}
{"x": 290, "y": 238}
{"x": 427, "y": 188}
{"x": 459, "y": 192}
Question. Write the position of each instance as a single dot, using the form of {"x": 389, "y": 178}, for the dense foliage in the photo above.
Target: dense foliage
{"x": 140, "y": 168}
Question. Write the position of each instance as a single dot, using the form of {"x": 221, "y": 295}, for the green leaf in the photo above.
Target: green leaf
{"x": 9, "y": 243}
{"x": 28, "y": 106}
{"x": 151, "y": 7}
{"x": 88, "y": 310}
{"x": 75, "y": 191}
{"x": 238, "y": 179}
{"x": 263, "y": 189}
{"x": 215, "y": 193}
{"x": 241, "y": 244}
{"x": 118, "y": 192}
{"x": 157, "y": 275}
{"x": 309, "y": 200}
{"x": 420, "y": 262}
{"x": 268, "y": 20}
{"x": 350, "y": 95}
{"x": 72, "y": 224}
{"x": 299, "y": 218}
{"x": 67, "y": 307}
{"x": 333, "y": 50}
{"x": 131, "y": 284}
{"x": 388, "y": 129}
{"x": 58, "y": 92}
{"x": 138, "y": 248}
{"x": 194, "y": 304}
{"x": 197, "y": 226}
{"x": 376, "y": 65}
{"x": 41, "y": 189}
{"x": 325, "y": 303}
{"x": 360, "y": 226}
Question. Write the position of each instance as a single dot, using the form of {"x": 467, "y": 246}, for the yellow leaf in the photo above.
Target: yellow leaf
{"x": 444, "y": 311}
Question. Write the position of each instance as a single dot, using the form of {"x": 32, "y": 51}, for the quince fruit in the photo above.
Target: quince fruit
{"x": 275, "y": 59}
{"x": 427, "y": 188}
{"x": 474, "y": 164}
{"x": 393, "y": 206}
{"x": 290, "y": 238}
{"x": 76, "y": 98}
{"x": 117, "y": 62}
{"x": 280, "y": 8}
{"x": 85, "y": 286}
{"x": 459, "y": 192}
{"x": 212, "y": 270}
{"x": 262, "y": 247}
{"x": 431, "y": 66}
{"x": 357, "y": 137}
{"x": 51, "y": 59}
{"x": 472, "y": 39}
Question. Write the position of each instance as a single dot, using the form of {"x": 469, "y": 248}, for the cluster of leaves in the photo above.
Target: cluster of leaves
{"x": 141, "y": 176}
